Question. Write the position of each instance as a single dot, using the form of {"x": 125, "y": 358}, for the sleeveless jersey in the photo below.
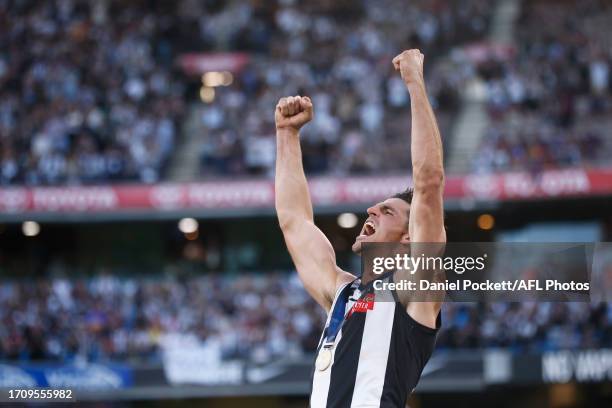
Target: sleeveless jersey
{"x": 378, "y": 354}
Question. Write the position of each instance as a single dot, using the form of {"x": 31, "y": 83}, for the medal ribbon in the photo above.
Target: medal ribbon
{"x": 338, "y": 314}
{"x": 337, "y": 317}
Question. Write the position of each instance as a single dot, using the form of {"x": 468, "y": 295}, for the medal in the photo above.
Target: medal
{"x": 323, "y": 359}
{"x": 336, "y": 319}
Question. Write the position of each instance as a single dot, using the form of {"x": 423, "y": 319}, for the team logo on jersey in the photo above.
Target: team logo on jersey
{"x": 363, "y": 305}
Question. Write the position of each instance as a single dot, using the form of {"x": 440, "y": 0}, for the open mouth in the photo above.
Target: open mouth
{"x": 368, "y": 229}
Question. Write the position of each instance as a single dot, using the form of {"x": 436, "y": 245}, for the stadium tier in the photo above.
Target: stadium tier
{"x": 106, "y": 318}
{"x": 93, "y": 94}
{"x": 107, "y": 102}
{"x": 550, "y": 102}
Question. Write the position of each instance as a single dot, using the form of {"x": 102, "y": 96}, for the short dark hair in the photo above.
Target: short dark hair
{"x": 405, "y": 195}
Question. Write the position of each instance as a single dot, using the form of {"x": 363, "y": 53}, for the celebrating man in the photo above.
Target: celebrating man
{"x": 371, "y": 354}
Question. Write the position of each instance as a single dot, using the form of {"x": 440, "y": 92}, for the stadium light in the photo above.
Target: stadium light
{"x": 188, "y": 225}
{"x": 486, "y": 222}
{"x": 213, "y": 79}
{"x": 207, "y": 94}
{"x": 347, "y": 220}
{"x": 226, "y": 78}
{"x": 30, "y": 228}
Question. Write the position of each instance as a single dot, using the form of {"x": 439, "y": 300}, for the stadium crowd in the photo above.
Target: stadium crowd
{"x": 551, "y": 104}
{"x": 257, "y": 317}
{"x": 89, "y": 91}
{"x": 341, "y": 57}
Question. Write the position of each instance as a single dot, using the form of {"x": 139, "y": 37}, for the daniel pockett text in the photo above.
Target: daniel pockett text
{"x": 474, "y": 272}
{"x": 487, "y": 286}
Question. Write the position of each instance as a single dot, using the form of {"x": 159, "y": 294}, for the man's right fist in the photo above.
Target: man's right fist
{"x": 293, "y": 112}
{"x": 410, "y": 65}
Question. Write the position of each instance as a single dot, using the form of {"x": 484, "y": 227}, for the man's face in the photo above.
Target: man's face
{"x": 387, "y": 222}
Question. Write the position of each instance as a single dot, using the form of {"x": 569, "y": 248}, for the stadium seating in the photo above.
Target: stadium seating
{"x": 550, "y": 104}
{"x": 265, "y": 317}
{"x": 91, "y": 94}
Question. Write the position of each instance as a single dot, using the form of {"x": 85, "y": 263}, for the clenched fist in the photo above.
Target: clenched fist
{"x": 410, "y": 65}
{"x": 293, "y": 112}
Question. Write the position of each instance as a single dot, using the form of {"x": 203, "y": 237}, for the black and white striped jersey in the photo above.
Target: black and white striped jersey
{"x": 378, "y": 354}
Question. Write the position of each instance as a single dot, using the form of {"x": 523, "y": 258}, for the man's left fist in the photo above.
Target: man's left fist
{"x": 293, "y": 112}
{"x": 410, "y": 65}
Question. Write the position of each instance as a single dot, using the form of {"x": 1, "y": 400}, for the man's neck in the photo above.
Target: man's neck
{"x": 367, "y": 277}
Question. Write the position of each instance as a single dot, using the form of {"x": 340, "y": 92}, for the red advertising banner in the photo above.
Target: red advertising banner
{"x": 326, "y": 191}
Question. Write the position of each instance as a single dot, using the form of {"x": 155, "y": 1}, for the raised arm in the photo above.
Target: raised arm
{"x": 426, "y": 220}
{"x": 311, "y": 251}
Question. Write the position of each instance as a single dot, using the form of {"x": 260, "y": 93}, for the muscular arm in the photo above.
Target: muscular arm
{"x": 426, "y": 212}
{"x": 311, "y": 251}
{"x": 426, "y": 221}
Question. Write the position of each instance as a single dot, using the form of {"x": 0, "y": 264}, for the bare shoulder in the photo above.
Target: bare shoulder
{"x": 342, "y": 278}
